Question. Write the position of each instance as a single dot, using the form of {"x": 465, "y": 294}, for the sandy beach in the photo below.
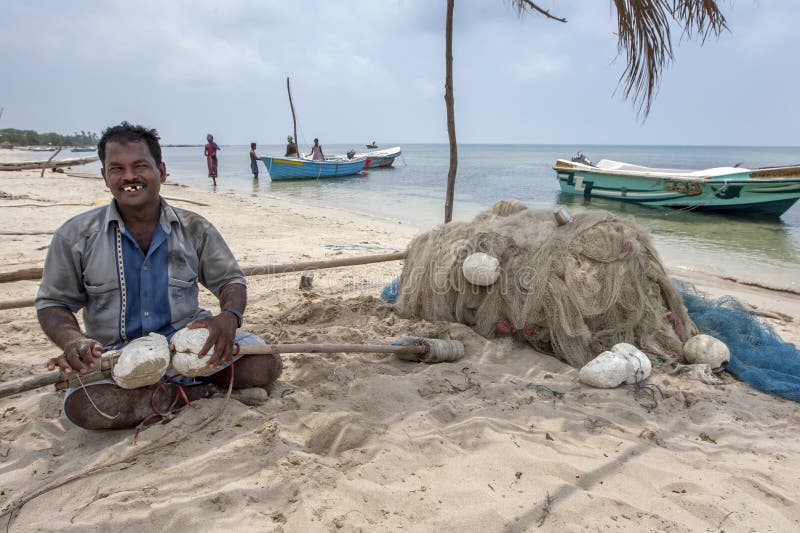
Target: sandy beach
{"x": 506, "y": 439}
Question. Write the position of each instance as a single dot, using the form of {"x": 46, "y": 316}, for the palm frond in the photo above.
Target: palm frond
{"x": 645, "y": 38}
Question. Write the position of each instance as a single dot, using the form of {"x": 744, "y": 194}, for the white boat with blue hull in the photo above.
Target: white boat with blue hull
{"x": 768, "y": 191}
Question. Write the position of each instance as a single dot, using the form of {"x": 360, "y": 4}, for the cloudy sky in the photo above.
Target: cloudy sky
{"x": 374, "y": 69}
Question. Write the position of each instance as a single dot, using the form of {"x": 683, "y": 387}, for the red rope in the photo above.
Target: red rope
{"x": 172, "y": 409}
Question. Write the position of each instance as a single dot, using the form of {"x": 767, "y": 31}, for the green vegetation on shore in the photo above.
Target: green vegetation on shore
{"x": 15, "y": 137}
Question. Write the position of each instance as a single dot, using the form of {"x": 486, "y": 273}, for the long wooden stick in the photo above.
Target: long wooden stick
{"x": 20, "y": 275}
{"x": 48, "y": 161}
{"x": 294, "y": 120}
{"x": 318, "y": 265}
{"x": 109, "y": 359}
{"x": 36, "y": 273}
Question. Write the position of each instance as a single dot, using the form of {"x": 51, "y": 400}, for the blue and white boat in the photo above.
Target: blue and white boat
{"x": 290, "y": 168}
{"x": 768, "y": 191}
{"x": 375, "y": 158}
{"x": 381, "y": 158}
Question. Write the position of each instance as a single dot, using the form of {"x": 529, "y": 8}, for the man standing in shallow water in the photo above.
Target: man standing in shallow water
{"x": 133, "y": 267}
{"x": 210, "y": 152}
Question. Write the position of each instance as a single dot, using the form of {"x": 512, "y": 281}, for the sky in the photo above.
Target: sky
{"x": 364, "y": 70}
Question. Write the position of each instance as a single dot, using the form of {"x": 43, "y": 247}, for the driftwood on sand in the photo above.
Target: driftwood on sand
{"x": 35, "y": 165}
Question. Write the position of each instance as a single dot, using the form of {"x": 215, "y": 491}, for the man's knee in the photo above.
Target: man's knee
{"x": 107, "y": 406}
{"x": 252, "y": 371}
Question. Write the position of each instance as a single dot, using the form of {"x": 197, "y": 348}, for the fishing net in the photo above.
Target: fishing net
{"x": 573, "y": 290}
{"x": 758, "y": 355}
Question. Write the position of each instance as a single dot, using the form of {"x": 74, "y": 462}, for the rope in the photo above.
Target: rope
{"x": 86, "y": 392}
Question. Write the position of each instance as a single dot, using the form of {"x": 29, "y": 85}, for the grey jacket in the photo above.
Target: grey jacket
{"x": 80, "y": 271}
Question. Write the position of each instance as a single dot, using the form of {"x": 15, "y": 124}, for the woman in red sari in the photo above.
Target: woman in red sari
{"x": 211, "y": 157}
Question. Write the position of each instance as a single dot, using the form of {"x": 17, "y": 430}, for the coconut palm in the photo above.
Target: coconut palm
{"x": 644, "y": 37}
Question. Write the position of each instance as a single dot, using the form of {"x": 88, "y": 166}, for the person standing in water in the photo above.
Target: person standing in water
{"x": 316, "y": 152}
{"x": 253, "y": 161}
{"x": 211, "y": 157}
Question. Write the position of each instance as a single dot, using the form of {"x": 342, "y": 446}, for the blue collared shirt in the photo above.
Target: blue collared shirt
{"x": 146, "y": 277}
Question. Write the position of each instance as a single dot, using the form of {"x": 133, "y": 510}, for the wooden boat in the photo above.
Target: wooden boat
{"x": 768, "y": 191}
{"x": 56, "y": 163}
{"x": 375, "y": 158}
{"x": 84, "y": 149}
{"x": 381, "y": 158}
{"x": 373, "y": 145}
{"x": 289, "y": 168}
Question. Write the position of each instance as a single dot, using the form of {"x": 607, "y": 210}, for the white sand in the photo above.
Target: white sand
{"x": 367, "y": 442}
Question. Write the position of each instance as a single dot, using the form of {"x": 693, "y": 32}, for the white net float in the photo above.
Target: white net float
{"x": 624, "y": 363}
{"x": 481, "y": 269}
{"x": 142, "y": 362}
{"x": 186, "y": 361}
{"x": 705, "y": 349}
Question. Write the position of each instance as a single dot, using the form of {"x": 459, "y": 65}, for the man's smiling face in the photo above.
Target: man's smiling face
{"x": 132, "y": 174}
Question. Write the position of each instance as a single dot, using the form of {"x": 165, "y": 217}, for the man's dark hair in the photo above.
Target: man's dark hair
{"x": 127, "y": 133}
{"x": 252, "y": 145}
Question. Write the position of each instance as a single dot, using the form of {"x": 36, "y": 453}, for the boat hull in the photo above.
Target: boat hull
{"x": 737, "y": 193}
{"x": 56, "y": 163}
{"x": 381, "y": 158}
{"x": 283, "y": 168}
{"x": 379, "y": 162}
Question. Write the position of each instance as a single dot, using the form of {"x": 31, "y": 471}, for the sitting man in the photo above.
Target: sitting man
{"x": 291, "y": 147}
{"x": 133, "y": 267}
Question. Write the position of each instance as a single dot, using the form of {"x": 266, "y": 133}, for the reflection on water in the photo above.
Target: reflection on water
{"x": 413, "y": 192}
{"x": 711, "y": 231}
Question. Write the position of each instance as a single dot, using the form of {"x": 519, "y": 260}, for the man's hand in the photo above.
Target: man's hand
{"x": 78, "y": 355}
{"x": 221, "y": 333}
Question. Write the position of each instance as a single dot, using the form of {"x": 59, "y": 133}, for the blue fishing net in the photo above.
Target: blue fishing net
{"x": 758, "y": 355}
{"x": 389, "y": 292}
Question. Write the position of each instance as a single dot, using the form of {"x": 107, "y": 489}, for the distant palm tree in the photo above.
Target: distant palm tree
{"x": 644, "y": 36}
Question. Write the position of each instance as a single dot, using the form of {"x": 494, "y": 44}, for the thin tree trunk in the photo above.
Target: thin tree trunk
{"x": 451, "y": 120}
{"x": 294, "y": 120}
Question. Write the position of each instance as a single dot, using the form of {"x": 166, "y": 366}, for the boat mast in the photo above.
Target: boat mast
{"x": 294, "y": 120}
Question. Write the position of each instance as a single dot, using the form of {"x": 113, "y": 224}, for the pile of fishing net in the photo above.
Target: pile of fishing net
{"x": 572, "y": 290}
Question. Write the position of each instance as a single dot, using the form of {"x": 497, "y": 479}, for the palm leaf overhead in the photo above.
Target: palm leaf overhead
{"x": 644, "y": 36}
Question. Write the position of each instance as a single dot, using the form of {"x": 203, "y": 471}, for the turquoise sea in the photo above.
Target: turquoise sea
{"x": 412, "y": 192}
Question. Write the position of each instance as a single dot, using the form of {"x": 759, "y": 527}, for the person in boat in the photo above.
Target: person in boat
{"x": 291, "y": 147}
{"x": 316, "y": 152}
{"x": 133, "y": 267}
{"x": 351, "y": 154}
{"x": 253, "y": 161}
{"x": 210, "y": 152}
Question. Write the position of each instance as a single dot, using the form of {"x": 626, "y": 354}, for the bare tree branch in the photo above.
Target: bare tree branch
{"x": 522, "y": 7}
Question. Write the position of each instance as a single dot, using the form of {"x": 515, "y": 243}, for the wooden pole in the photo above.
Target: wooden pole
{"x": 318, "y": 265}
{"x": 62, "y": 381}
{"x": 36, "y": 273}
{"x": 294, "y": 120}
{"x": 48, "y": 161}
{"x": 451, "y": 115}
{"x": 19, "y": 275}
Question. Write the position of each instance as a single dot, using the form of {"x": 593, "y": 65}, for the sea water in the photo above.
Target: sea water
{"x": 412, "y": 192}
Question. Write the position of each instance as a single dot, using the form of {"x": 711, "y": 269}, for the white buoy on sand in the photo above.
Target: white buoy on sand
{"x": 624, "y": 363}
{"x": 705, "y": 349}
